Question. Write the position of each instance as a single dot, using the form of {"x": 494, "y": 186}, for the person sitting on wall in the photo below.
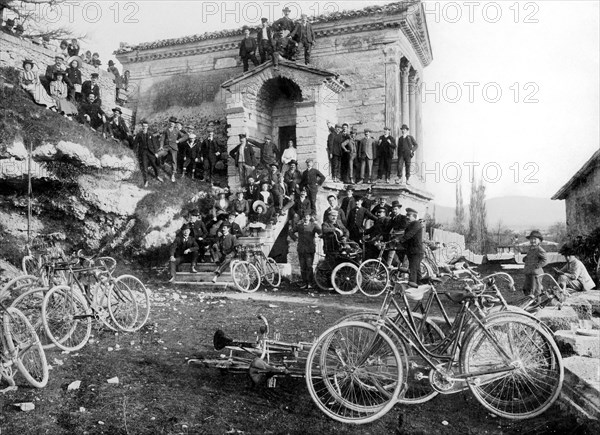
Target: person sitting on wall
{"x": 184, "y": 248}
{"x": 573, "y": 276}
{"x": 92, "y": 86}
{"x": 59, "y": 65}
{"x": 146, "y": 147}
{"x": 251, "y": 190}
{"x": 59, "y": 91}
{"x": 96, "y": 60}
{"x": 30, "y": 82}
{"x": 221, "y": 206}
{"x": 73, "y": 48}
{"x": 116, "y": 128}
{"x": 227, "y": 248}
{"x": 240, "y": 209}
{"x": 90, "y": 113}
{"x": 304, "y": 35}
{"x": 87, "y": 58}
{"x": 266, "y": 196}
{"x": 234, "y": 227}
{"x": 248, "y": 47}
{"x": 260, "y": 218}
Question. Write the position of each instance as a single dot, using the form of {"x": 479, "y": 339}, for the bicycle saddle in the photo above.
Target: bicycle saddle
{"x": 459, "y": 296}
{"x": 220, "y": 340}
{"x": 430, "y": 279}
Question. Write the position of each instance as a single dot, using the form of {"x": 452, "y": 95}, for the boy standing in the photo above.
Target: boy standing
{"x": 534, "y": 263}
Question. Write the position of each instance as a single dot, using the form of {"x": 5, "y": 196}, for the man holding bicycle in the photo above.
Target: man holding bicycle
{"x": 306, "y": 230}
{"x": 412, "y": 240}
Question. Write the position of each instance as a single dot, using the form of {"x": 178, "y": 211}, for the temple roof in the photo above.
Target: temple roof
{"x": 385, "y": 10}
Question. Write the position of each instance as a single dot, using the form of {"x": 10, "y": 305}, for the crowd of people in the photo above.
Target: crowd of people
{"x": 285, "y": 38}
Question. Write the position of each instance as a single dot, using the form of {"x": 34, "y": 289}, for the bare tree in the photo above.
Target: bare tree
{"x": 459, "y": 212}
{"x": 27, "y": 14}
{"x": 477, "y": 233}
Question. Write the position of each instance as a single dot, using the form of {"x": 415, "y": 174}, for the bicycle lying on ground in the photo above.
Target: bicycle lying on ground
{"x": 264, "y": 360}
{"x": 21, "y": 347}
{"x": 509, "y": 362}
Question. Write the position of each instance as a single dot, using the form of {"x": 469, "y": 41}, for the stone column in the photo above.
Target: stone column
{"x": 404, "y": 70}
{"x": 420, "y": 156}
{"x": 412, "y": 116}
{"x": 392, "y": 89}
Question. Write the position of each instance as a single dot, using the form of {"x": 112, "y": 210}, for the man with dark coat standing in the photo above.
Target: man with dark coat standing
{"x": 184, "y": 248}
{"x": 312, "y": 179}
{"x": 244, "y": 158}
{"x": 304, "y": 34}
{"x": 306, "y": 230}
{"x": 348, "y": 203}
{"x": 385, "y": 152}
{"x": 334, "y": 148}
{"x": 268, "y": 151}
{"x": 413, "y": 246}
{"x": 406, "y": 150}
{"x": 210, "y": 153}
{"x": 144, "y": 144}
{"x": 248, "y": 47}
{"x": 266, "y": 43}
{"x": 283, "y": 27}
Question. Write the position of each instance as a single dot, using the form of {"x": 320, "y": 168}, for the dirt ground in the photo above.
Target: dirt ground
{"x": 158, "y": 393}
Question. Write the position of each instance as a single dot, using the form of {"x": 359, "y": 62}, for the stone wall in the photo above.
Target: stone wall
{"x": 583, "y": 205}
{"x": 13, "y": 50}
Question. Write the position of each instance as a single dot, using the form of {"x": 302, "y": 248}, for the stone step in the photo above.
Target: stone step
{"x": 582, "y": 345}
{"x": 558, "y": 320}
{"x": 581, "y": 387}
{"x": 202, "y": 277}
{"x": 202, "y": 285}
{"x": 593, "y": 297}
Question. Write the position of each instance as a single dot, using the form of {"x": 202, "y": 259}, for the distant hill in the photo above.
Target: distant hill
{"x": 516, "y": 212}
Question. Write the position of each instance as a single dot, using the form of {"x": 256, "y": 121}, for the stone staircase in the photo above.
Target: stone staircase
{"x": 206, "y": 271}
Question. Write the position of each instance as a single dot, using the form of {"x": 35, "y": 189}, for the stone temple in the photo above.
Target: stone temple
{"x": 366, "y": 70}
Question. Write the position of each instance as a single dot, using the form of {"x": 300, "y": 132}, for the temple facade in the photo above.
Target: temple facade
{"x": 366, "y": 70}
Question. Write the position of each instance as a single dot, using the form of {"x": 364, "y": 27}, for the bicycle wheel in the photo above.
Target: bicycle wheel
{"x": 246, "y": 276}
{"x": 343, "y": 278}
{"x": 109, "y": 263}
{"x": 67, "y": 318}
{"x": 323, "y": 276}
{"x": 272, "y": 273}
{"x": 425, "y": 269}
{"x": 30, "y": 304}
{"x": 122, "y": 306}
{"x": 354, "y": 373}
{"x": 142, "y": 298}
{"x": 17, "y": 286}
{"x": 535, "y": 371}
{"x": 30, "y": 265}
{"x": 373, "y": 277}
{"x": 25, "y": 347}
{"x": 418, "y": 388}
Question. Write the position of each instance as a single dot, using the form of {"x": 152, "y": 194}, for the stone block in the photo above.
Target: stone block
{"x": 582, "y": 307}
{"x": 581, "y": 387}
{"x": 582, "y": 345}
{"x": 593, "y": 297}
{"x": 556, "y": 319}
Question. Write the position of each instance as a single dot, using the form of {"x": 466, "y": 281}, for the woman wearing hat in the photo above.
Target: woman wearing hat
{"x": 59, "y": 92}
{"x": 30, "y": 81}
{"x": 260, "y": 217}
{"x": 535, "y": 260}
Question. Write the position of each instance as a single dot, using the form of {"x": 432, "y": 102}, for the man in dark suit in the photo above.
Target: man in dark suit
{"x": 356, "y": 219}
{"x": 191, "y": 155}
{"x": 116, "y": 128}
{"x": 304, "y": 34}
{"x": 334, "y": 206}
{"x": 210, "y": 153}
{"x": 244, "y": 158}
{"x": 382, "y": 204}
{"x": 91, "y": 86}
{"x": 90, "y": 113}
{"x": 283, "y": 27}
{"x": 146, "y": 147}
{"x": 184, "y": 248}
{"x": 334, "y": 148}
{"x": 199, "y": 233}
{"x": 268, "y": 151}
{"x": 397, "y": 226}
{"x": 348, "y": 203}
{"x": 234, "y": 227}
{"x": 248, "y": 49}
{"x": 312, "y": 179}
{"x": 413, "y": 245}
{"x": 406, "y": 150}
{"x": 385, "y": 152}
{"x": 265, "y": 41}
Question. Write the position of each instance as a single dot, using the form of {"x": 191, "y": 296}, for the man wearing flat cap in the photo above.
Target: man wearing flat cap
{"x": 304, "y": 34}
{"x": 91, "y": 86}
{"x": 266, "y": 42}
{"x": 334, "y": 149}
{"x": 385, "y": 152}
{"x": 244, "y": 159}
{"x": 248, "y": 47}
{"x": 268, "y": 151}
{"x": 412, "y": 241}
{"x": 535, "y": 260}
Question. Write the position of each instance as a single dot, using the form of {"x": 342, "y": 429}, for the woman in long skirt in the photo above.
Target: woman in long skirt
{"x": 59, "y": 91}
{"x": 30, "y": 81}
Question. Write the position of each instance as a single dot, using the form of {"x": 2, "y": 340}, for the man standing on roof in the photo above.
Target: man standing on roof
{"x": 248, "y": 47}
{"x": 304, "y": 34}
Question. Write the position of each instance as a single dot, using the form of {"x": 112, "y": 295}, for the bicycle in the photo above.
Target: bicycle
{"x": 43, "y": 249}
{"x": 21, "y": 347}
{"x": 246, "y": 276}
{"x": 68, "y": 310}
{"x": 264, "y": 360}
{"x": 511, "y": 365}
{"x": 337, "y": 271}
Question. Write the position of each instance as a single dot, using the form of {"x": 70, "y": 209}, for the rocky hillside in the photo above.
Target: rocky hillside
{"x": 83, "y": 185}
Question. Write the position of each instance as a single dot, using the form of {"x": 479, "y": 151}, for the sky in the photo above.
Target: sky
{"x": 511, "y": 97}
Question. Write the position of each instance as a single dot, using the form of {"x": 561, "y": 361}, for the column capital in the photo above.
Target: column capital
{"x": 413, "y": 75}
{"x": 392, "y": 53}
{"x": 404, "y": 67}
